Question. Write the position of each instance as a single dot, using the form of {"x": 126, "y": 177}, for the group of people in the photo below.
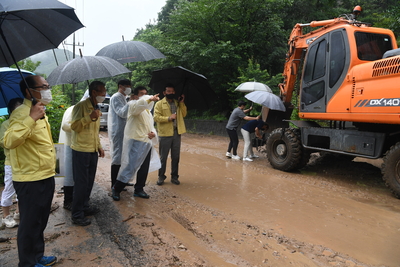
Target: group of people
{"x": 31, "y": 158}
{"x": 133, "y": 136}
{"x": 255, "y": 125}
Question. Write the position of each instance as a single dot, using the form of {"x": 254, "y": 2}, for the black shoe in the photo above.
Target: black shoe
{"x": 141, "y": 194}
{"x": 175, "y": 181}
{"x": 81, "y": 221}
{"x": 91, "y": 211}
{"x": 115, "y": 195}
{"x": 67, "y": 206}
{"x": 129, "y": 184}
{"x": 160, "y": 181}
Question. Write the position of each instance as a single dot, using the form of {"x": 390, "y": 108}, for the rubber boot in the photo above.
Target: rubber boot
{"x": 68, "y": 197}
{"x": 116, "y": 190}
{"x": 114, "y": 173}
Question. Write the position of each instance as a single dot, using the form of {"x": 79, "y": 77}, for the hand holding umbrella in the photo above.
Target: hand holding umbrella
{"x": 37, "y": 111}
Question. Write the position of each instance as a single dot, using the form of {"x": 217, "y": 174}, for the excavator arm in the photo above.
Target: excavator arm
{"x": 298, "y": 44}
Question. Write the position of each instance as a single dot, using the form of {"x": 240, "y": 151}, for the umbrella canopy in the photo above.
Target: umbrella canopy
{"x": 29, "y": 27}
{"x": 266, "y": 99}
{"x": 253, "y": 86}
{"x": 85, "y": 68}
{"x": 9, "y": 84}
{"x": 130, "y": 51}
{"x": 196, "y": 88}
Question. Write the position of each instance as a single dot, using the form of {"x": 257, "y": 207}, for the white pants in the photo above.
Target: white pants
{"x": 248, "y": 148}
{"x": 9, "y": 191}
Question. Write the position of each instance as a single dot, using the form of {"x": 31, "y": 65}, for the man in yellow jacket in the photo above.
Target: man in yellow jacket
{"x": 33, "y": 161}
{"x": 169, "y": 114}
{"x": 86, "y": 149}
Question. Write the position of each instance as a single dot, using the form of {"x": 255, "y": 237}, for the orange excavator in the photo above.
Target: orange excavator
{"x": 348, "y": 79}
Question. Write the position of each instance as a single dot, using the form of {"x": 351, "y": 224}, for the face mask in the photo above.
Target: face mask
{"x": 170, "y": 96}
{"x": 127, "y": 91}
{"x": 100, "y": 99}
{"x": 46, "y": 96}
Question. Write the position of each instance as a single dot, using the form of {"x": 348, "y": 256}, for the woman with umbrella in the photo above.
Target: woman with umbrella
{"x": 231, "y": 128}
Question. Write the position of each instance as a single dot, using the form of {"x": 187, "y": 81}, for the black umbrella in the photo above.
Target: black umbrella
{"x": 196, "y": 88}
{"x": 31, "y": 26}
{"x": 130, "y": 51}
{"x": 85, "y": 68}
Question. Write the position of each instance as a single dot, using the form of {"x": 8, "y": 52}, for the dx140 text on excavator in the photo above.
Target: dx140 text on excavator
{"x": 348, "y": 77}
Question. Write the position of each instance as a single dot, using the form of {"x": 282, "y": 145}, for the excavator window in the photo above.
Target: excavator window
{"x": 314, "y": 70}
{"x": 372, "y": 46}
{"x": 337, "y": 58}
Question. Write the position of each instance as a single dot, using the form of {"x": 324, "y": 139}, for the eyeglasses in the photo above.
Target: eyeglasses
{"x": 44, "y": 87}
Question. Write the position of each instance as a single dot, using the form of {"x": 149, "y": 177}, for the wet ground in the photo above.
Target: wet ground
{"x": 232, "y": 213}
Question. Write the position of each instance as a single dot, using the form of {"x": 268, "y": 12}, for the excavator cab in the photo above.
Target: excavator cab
{"x": 328, "y": 59}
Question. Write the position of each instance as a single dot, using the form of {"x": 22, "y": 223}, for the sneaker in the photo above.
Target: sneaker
{"x": 47, "y": 261}
{"x": 9, "y": 221}
{"x": 235, "y": 157}
{"x": 254, "y": 157}
{"x": 228, "y": 155}
{"x": 81, "y": 221}
{"x": 160, "y": 181}
{"x": 141, "y": 194}
{"x": 38, "y": 265}
{"x": 16, "y": 215}
{"x": 247, "y": 159}
{"x": 175, "y": 181}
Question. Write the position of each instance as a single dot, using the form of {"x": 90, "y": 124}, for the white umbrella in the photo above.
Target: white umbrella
{"x": 253, "y": 86}
{"x": 266, "y": 99}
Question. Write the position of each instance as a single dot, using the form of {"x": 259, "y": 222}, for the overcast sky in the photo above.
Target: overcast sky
{"x": 107, "y": 21}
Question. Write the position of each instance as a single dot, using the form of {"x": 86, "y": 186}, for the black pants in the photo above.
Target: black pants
{"x": 84, "y": 165}
{"x": 234, "y": 141}
{"x": 34, "y": 201}
{"x": 141, "y": 176}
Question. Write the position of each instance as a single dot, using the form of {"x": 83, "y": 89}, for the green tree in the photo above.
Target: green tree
{"x": 215, "y": 38}
{"x": 27, "y": 64}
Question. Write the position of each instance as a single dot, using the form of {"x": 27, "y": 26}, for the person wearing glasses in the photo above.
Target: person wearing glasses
{"x": 33, "y": 161}
{"x": 86, "y": 149}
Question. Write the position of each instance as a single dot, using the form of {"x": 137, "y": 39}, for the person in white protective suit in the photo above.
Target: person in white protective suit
{"x": 116, "y": 121}
{"x": 65, "y": 137}
{"x": 138, "y": 155}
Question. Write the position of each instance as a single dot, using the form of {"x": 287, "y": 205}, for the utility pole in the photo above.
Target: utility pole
{"x": 73, "y": 56}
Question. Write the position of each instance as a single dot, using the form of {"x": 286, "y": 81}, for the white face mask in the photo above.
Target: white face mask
{"x": 100, "y": 99}
{"x": 127, "y": 91}
{"x": 46, "y": 96}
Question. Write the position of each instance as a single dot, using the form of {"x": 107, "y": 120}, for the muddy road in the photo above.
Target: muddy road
{"x": 232, "y": 213}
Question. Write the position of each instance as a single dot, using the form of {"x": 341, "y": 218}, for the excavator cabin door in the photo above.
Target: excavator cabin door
{"x": 326, "y": 63}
